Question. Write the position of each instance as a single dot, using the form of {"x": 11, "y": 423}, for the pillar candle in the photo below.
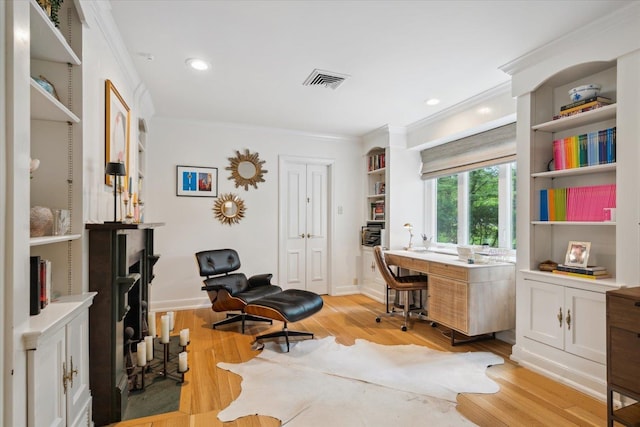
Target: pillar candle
{"x": 182, "y": 362}
{"x": 164, "y": 338}
{"x": 149, "y": 342}
{"x": 142, "y": 354}
{"x": 184, "y": 337}
{"x": 151, "y": 323}
{"x": 172, "y": 319}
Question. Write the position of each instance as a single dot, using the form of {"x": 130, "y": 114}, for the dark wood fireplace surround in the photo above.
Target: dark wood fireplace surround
{"x": 121, "y": 260}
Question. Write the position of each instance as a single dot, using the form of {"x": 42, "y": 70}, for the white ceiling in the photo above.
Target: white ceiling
{"x": 398, "y": 54}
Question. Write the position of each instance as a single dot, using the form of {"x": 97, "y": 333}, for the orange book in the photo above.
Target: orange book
{"x": 551, "y": 204}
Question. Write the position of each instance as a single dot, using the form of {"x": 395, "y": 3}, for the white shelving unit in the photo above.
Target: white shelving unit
{"x": 56, "y": 340}
{"x": 561, "y": 320}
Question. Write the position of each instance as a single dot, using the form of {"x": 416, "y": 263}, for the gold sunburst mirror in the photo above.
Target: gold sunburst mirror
{"x": 246, "y": 169}
{"x": 229, "y": 209}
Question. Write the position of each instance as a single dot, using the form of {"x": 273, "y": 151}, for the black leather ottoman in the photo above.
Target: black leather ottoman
{"x": 290, "y": 305}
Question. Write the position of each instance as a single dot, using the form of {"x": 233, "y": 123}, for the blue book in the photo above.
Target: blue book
{"x": 544, "y": 206}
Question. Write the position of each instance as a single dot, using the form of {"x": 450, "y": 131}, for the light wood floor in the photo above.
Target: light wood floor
{"x": 525, "y": 398}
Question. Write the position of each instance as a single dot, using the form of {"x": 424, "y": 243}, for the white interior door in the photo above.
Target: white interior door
{"x": 304, "y": 225}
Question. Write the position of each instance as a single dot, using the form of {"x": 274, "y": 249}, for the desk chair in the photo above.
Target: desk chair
{"x": 403, "y": 284}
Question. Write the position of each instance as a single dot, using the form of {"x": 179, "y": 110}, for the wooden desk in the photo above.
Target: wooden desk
{"x": 473, "y": 299}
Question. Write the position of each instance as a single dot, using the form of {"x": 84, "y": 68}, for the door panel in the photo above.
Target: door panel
{"x": 316, "y": 229}
{"x": 303, "y": 257}
{"x": 586, "y": 334}
{"x": 546, "y": 305}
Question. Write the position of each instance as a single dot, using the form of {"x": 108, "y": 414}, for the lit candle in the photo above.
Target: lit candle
{"x": 172, "y": 319}
{"x": 164, "y": 338}
{"x": 182, "y": 362}
{"x": 184, "y": 337}
{"x": 149, "y": 342}
{"x": 142, "y": 354}
{"x": 151, "y": 322}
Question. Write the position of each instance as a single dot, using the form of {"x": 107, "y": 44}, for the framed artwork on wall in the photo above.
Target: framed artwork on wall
{"x": 196, "y": 181}
{"x": 116, "y": 125}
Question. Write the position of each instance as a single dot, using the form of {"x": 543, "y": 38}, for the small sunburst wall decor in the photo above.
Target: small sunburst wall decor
{"x": 229, "y": 209}
{"x": 246, "y": 169}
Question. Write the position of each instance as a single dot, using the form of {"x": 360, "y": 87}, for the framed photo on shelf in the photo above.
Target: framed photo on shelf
{"x": 577, "y": 254}
{"x": 116, "y": 126}
{"x": 196, "y": 181}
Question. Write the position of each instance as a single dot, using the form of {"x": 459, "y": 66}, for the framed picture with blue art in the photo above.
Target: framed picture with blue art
{"x": 196, "y": 181}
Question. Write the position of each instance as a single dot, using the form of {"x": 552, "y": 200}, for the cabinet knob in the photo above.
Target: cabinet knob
{"x": 569, "y": 319}
{"x": 302, "y": 235}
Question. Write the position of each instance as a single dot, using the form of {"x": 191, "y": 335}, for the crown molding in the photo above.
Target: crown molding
{"x": 606, "y": 26}
{"x": 244, "y": 126}
{"x": 483, "y": 97}
{"x": 100, "y": 12}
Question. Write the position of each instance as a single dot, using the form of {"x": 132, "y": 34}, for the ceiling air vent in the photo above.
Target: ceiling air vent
{"x": 324, "y": 78}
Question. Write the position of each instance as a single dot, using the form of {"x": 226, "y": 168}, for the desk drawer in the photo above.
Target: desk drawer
{"x": 624, "y": 312}
{"x": 450, "y": 271}
{"x": 412, "y": 264}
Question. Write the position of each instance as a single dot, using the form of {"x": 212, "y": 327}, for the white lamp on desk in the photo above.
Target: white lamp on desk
{"x": 409, "y": 227}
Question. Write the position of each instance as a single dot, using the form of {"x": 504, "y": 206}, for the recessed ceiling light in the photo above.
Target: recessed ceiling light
{"x": 432, "y": 101}
{"x": 198, "y": 64}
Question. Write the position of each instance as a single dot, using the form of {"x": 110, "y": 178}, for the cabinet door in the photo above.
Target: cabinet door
{"x": 77, "y": 339}
{"x": 46, "y": 399}
{"x": 585, "y": 324}
{"x": 544, "y": 313}
{"x": 448, "y": 303}
{"x": 369, "y": 268}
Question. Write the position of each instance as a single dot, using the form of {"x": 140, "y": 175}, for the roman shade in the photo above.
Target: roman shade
{"x": 493, "y": 147}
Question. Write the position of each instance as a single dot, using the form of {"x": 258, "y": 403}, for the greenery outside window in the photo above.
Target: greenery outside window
{"x": 476, "y": 207}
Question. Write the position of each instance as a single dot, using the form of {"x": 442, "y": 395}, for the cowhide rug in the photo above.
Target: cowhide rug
{"x": 323, "y": 383}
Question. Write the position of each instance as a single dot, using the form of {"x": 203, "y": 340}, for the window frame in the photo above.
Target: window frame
{"x": 505, "y": 205}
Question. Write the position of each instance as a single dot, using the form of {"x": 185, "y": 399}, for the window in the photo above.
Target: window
{"x": 475, "y": 207}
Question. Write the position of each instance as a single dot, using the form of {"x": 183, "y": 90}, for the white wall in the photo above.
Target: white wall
{"x": 190, "y": 225}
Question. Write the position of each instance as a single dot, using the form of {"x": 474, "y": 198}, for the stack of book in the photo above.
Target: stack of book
{"x": 589, "y": 149}
{"x": 377, "y": 210}
{"x": 582, "y": 105}
{"x": 592, "y": 272}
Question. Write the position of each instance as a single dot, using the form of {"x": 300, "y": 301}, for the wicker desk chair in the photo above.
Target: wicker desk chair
{"x": 403, "y": 284}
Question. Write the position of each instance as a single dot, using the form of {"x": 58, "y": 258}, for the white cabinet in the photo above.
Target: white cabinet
{"x": 58, "y": 364}
{"x": 569, "y": 319}
{"x": 370, "y": 279}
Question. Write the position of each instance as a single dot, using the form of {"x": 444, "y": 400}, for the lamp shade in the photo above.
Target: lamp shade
{"x": 115, "y": 168}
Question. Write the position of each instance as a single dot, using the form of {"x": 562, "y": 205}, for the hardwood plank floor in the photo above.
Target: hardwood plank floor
{"x": 525, "y": 397}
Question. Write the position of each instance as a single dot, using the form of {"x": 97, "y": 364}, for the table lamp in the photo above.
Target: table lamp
{"x": 115, "y": 169}
{"x": 409, "y": 227}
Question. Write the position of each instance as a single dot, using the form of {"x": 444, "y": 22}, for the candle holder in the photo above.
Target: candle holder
{"x": 135, "y": 386}
{"x": 127, "y": 208}
{"x": 168, "y": 366}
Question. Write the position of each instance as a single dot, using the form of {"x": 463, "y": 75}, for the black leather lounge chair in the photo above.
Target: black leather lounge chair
{"x": 232, "y": 292}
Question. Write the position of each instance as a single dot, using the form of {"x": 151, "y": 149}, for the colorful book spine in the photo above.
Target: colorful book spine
{"x": 576, "y": 203}
{"x": 589, "y": 149}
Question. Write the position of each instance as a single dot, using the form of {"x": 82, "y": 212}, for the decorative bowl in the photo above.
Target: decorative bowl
{"x": 584, "y": 91}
